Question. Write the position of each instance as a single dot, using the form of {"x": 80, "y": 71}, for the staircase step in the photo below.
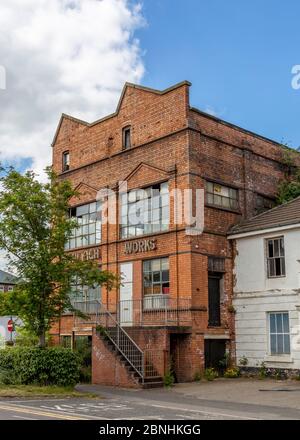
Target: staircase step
{"x": 149, "y": 382}
{"x": 147, "y": 385}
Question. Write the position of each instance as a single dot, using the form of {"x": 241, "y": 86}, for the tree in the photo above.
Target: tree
{"x": 289, "y": 186}
{"x": 34, "y": 228}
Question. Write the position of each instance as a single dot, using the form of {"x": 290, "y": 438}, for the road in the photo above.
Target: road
{"x": 160, "y": 404}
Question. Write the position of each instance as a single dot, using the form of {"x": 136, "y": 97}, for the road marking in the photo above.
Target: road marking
{"x": 175, "y": 408}
{"x": 24, "y": 418}
{"x": 37, "y": 412}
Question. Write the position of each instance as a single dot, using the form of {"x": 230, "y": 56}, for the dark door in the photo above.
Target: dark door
{"x": 215, "y": 351}
{"x": 214, "y": 310}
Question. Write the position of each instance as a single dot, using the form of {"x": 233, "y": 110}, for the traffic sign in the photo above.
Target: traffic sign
{"x": 10, "y": 325}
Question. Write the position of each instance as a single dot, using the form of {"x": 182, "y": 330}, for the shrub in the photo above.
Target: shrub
{"x": 232, "y": 373}
{"x": 169, "y": 379}
{"x": 40, "y": 366}
{"x": 210, "y": 374}
{"x": 243, "y": 361}
{"x": 197, "y": 376}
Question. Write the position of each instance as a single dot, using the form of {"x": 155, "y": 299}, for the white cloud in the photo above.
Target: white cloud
{"x": 69, "y": 56}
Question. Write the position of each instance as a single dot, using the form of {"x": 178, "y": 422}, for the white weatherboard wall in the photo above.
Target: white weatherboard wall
{"x": 256, "y": 295}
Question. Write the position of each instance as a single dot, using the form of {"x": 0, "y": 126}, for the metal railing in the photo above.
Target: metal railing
{"x": 155, "y": 310}
{"x": 112, "y": 330}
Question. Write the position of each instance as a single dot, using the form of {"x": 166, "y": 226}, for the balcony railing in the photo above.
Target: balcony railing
{"x": 152, "y": 310}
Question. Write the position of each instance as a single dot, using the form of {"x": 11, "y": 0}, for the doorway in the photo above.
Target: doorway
{"x": 214, "y": 299}
{"x": 215, "y": 351}
{"x": 126, "y": 292}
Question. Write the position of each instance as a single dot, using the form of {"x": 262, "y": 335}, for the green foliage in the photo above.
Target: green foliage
{"x": 210, "y": 374}
{"x": 289, "y": 187}
{"x": 232, "y": 373}
{"x": 197, "y": 376}
{"x": 243, "y": 361}
{"x": 34, "y": 228}
{"x": 169, "y": 379}
{"x": 83, "y": 347}
{"x": 25, "y": 338}
{"x": 263, "y": 371}
{"x": 224, "y": 363}
{"x": 39, "y": 366}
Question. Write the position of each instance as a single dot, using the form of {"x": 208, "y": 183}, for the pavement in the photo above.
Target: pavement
{"x": 222, "y": 399}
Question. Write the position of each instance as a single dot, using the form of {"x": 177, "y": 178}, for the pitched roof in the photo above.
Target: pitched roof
{"x": 283, "y": 215}
{"x": 7, "y": 278}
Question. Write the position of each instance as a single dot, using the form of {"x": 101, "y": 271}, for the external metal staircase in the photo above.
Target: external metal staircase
{"x": 139, "y": 363}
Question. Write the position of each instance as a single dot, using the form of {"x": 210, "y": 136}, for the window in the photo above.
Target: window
{"x": 1, "y": 288}
{"x": 144, "y": 211}
{"x": 66, "y": 341}
{"x": 10, "y": 288}
{"x": 222, "y": 196}
{"x": 85, "y": 298}
{"x": 66, "y": 161}
{"x": 263, "y": 204}
{"x": 275, "y": 257}
{"x": 279, "y": 333}
{"x": 156, "y": 283}
{"x": 88, "y": 231}
{"x": 126, "y": 135}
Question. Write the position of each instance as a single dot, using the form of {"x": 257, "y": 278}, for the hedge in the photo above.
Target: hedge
{"x": 40, "y": 366}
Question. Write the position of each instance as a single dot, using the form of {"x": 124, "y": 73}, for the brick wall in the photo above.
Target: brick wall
{"x": 171, "y": 142}
{"x": 107, "y": 369}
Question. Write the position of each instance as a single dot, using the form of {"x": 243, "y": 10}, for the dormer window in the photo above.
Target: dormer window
{"x": 126, "y": 135}
{"x": 66, "y": 161}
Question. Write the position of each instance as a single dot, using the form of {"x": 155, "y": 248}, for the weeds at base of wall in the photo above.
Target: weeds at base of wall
{"x": 210, "y": 374}
{"x": 263, "y": 372}
{"x": 168, "y": 379}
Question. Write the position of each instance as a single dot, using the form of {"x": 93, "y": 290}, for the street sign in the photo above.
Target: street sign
{"x": 10, "y": 326}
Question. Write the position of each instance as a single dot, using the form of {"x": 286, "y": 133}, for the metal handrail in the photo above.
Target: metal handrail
{"x": 120, "y": 329}
{"x": 100, "y": 312}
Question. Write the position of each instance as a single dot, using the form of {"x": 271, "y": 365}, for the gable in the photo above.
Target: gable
{"x": 86, "y": 194}
{"x": 145, "y": 175}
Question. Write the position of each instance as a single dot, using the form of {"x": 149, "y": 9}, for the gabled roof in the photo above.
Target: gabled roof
{"x": 7, "y": 278}
{"x": 283, "y": 215}
{"x": 127, "y": 85}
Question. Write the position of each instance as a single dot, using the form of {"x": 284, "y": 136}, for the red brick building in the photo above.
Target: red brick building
{"x": 174, "y": 307}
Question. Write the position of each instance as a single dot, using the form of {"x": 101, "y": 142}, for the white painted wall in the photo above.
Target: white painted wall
{"x": 255, "y": 296}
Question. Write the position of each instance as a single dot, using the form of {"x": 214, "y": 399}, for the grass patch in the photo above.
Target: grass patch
{"x": 41, "y": 391}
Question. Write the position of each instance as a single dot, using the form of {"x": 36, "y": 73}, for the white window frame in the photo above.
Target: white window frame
{"x": 269, "y": 259}
{"x": 279, "y": 333}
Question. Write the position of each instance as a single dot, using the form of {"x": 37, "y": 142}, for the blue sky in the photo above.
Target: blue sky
{"x": 237, "y": 54}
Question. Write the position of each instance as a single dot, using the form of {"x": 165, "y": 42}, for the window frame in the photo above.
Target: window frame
{"x": 66, "y": 163}
{"x": 125, "y": 131}
{"x": 161, "y": 282}
{"x": 276, "y": 334}
{"x": 96, "y": 225}
{"x": 160, "y": 224}
{"x": 274, "y": 258}
{"x": 232, "y": 206}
